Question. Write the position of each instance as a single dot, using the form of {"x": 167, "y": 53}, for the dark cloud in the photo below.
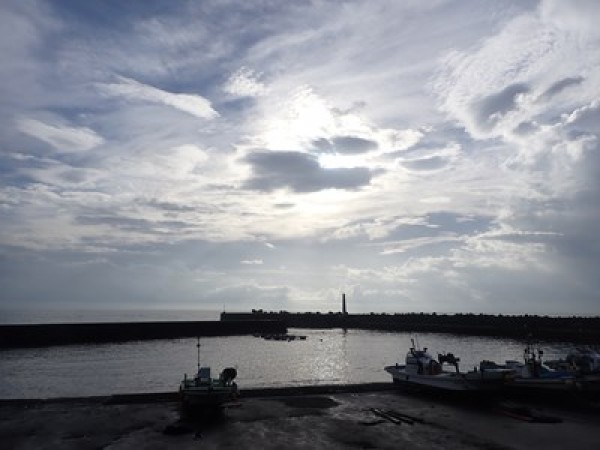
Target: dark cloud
{"x": 525, "y": 237}
{"x": 300, "y": 172}
{"x": 525, "y": 128}
{"x": 356, "y": 106}
{"x": 587, "y": 120}
{"x": 74, "y": 176}
{"x": 124, "y": 223}
{"x": 352, "y": 145}
{"x": 283, "y": 205}
{"x": 132, "y": 224}
{"x": 169, "y": 206}
{"x": 323, "y": 145}
{"x": 345, "y": 145}
{"x": 560, "y": 86}
{"x": 489, "y": 108}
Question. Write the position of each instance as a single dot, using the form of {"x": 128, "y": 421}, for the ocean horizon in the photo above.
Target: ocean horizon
{"x": 16, "y": 316}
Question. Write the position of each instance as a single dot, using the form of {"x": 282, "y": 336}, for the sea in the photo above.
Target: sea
{"x": 327, "y": 356}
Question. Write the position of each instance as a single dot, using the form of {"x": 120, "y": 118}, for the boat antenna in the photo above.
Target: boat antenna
{"x": 198, "y": 346}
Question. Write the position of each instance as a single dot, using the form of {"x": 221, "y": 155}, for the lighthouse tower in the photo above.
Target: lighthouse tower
{"x": 344, "y": 312}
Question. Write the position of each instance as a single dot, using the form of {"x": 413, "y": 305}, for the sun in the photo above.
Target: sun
{"x": 295, "y": 122}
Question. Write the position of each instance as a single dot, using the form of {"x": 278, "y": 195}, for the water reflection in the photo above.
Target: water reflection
{"x": 330, "y": 363}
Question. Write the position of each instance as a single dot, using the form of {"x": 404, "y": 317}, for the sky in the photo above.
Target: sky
{"x": 418, "y": 156}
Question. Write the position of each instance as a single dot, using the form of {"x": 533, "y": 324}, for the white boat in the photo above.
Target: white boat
{"x": 533, "y": 374}
{"x": 421, "y": 369}
{"x": 204, "y": 391}
{"x": 584, "y": 363}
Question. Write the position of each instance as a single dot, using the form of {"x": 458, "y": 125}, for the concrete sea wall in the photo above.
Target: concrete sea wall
{"x": 572, "y": 329}
{"x": 79, "y": 333}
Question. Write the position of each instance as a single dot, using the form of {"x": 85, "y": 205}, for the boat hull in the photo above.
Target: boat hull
{"x": 449, "y": 381}
{"x": 194, "y": 399}
{"x": 201, "y": 397}
{"x": 206, "y": 392}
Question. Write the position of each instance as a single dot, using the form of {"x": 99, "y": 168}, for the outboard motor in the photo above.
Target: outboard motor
{"x": 450, "y": 359}
{"x": 228, "y": 375}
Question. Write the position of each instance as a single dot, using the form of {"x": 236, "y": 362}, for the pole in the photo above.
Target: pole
{"x": 198, "y": 346}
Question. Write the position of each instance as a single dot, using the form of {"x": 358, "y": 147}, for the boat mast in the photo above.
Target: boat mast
{"x": 198, "y": 346}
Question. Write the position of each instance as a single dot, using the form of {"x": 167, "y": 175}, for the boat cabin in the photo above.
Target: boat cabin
{"x": 203, "y": 376}
{"x": 419, "y": 362}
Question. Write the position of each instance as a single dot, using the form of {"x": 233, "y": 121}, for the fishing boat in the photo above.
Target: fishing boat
{"x": 583, "y": 362}
{"x": 421, "y": 369}
{"x": 204, "y": 391}
{"x": 534, "y": 375}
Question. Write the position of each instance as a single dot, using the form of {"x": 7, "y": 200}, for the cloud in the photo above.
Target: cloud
{"x": 423, "y": 177}
{"x": 131, "y": 89}
{"x": 487, "y": 88}
{"x": 490, "y": 110}
{"x": 429, "y": 158}
{"x": 561, "y": 85}
{"x": 300, "y": 172}
{"x": 578, "y": 16}
{"x": 64, "y": 139}
{"x": 378, "y": 227}
{"x": 411, "y": 244}
{"x": 170, "y": 206}
{"x": 252, "y": 262}
{"x": 349, "y": 145}
{"x": 425, "y": 164}
{"x": 532, "y": 87}
{"x": 298, "y": 117}
{"x": 245, "y": 83}
{"x": 283, "y": 205}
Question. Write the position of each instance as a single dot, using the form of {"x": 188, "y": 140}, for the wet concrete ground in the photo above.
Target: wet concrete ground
{"x": 324, "y": 421}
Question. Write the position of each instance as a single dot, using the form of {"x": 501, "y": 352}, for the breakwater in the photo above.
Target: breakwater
{"x": 572, "y": 329}
{"x": 82, "y": 333}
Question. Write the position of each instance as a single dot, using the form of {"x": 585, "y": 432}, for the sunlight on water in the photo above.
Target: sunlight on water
{"x": 325, "y": 357}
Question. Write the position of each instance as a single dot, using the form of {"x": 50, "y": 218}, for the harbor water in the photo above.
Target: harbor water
{"x": 331, "y": 356}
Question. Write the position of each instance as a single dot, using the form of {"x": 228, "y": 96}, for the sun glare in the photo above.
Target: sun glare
{"x": 300, "y": 120}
